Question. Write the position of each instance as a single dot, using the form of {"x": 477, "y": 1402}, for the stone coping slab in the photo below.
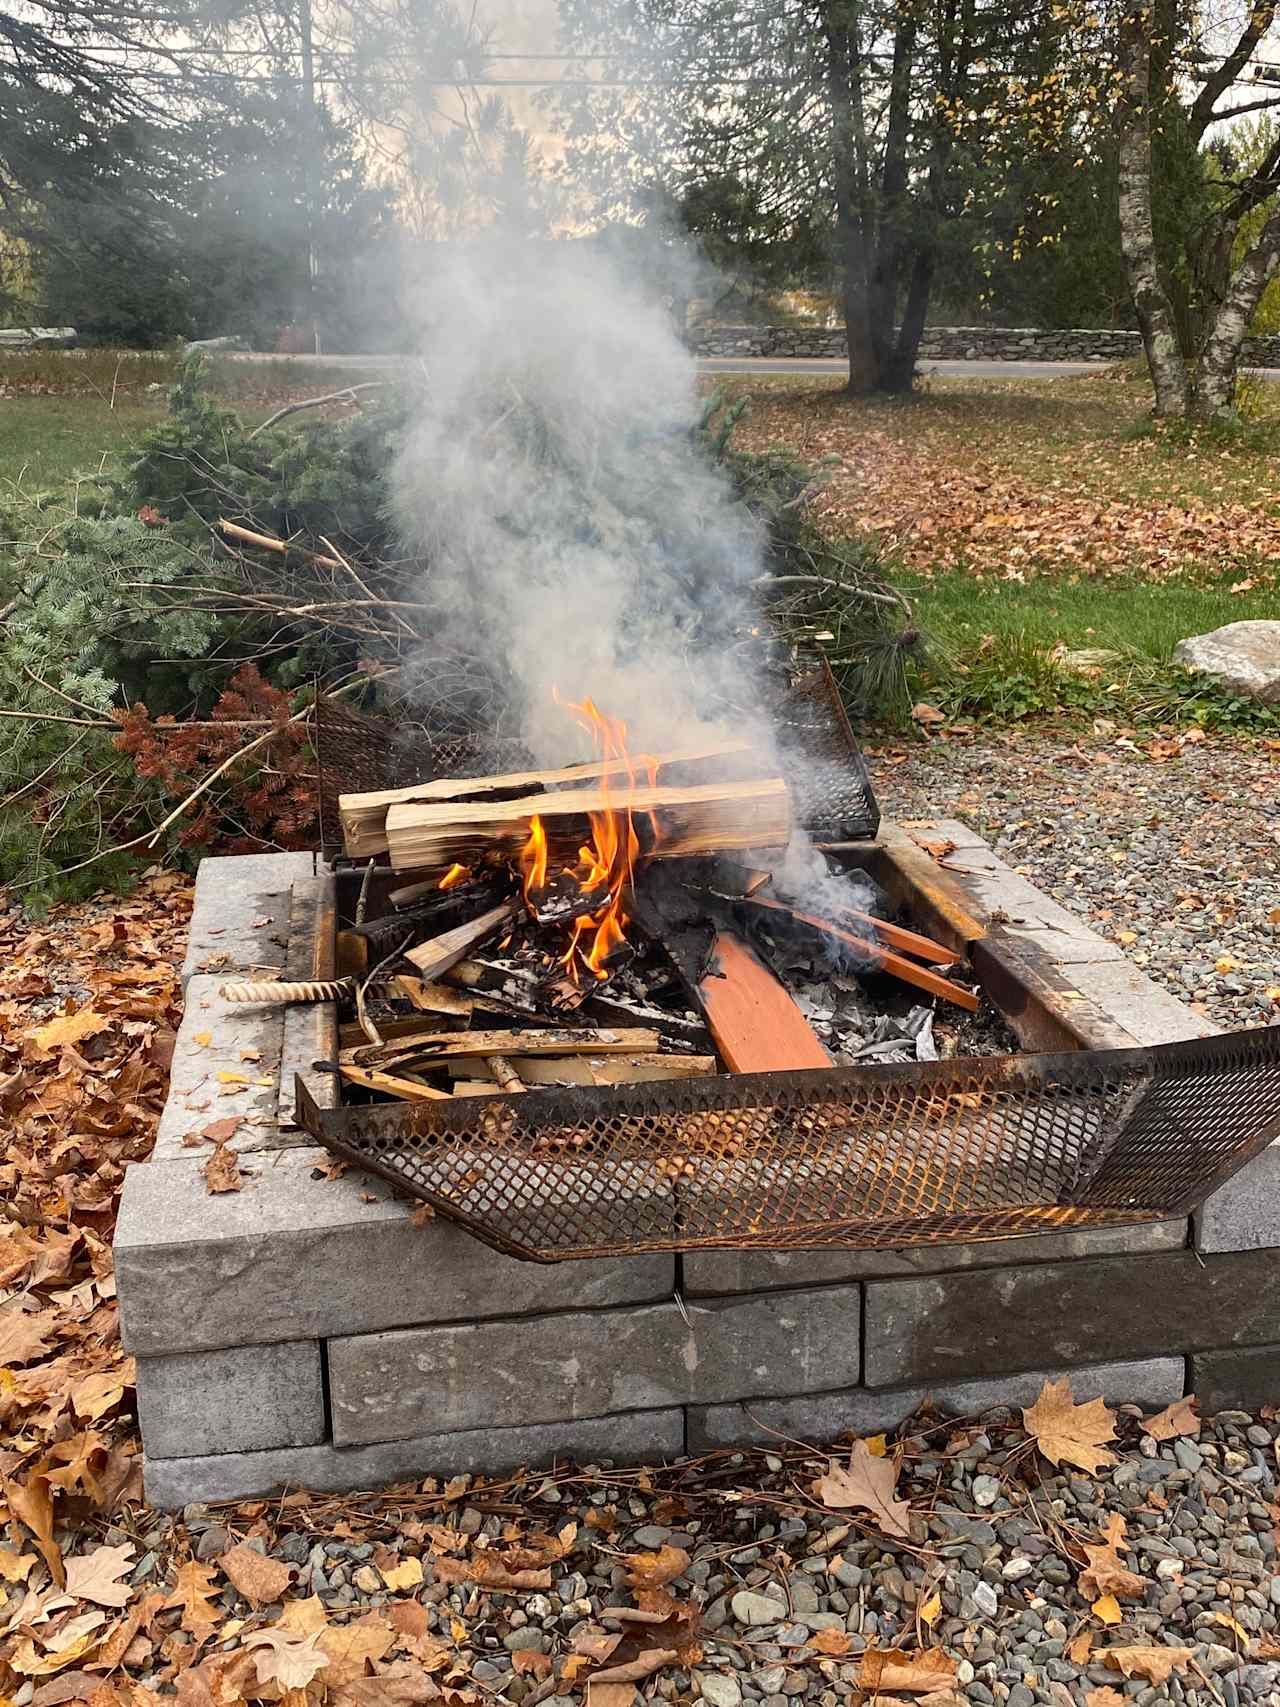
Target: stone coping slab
{"x": 248, "y": 1398}
{"x": 240, "y": 917}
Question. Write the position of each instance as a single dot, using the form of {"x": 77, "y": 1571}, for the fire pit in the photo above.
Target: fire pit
{"x": 807, "y": 1251}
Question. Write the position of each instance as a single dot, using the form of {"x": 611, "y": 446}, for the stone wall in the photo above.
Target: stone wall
{"x": 306, "y": 1329}
{"x": 953, "y": 343}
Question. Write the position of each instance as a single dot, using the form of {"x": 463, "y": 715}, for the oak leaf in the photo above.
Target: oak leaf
{"x": 1105, "y": 1573}
{"x": 282, "y": 1657}
{"x": 1066, "y": 1431}
{"x": 256, "y": 1577}
{"x": 892, "y": 1669}
{"x": 193, "y": 1591}
{"x": 866, "y": 1483}
{"x": 400, "y": 1684}
{"x": 654, "y": 1570}
{"x": 1175, "y": 1420}
{"x": 95, "y": 1395}
{"x": 96, "y": 1576}
{"x": 1156, "y": 1664}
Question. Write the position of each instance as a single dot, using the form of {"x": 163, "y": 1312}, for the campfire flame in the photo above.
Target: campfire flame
{"x": 608, "y": 862}
{"x": 456, "y": 874}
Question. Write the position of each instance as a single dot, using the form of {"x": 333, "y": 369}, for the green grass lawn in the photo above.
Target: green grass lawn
{"x": 45, "y": 440}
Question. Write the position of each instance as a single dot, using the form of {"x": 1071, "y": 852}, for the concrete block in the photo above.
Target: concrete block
{"x": 309, "y": 1034}
{"x": 197, "y": 1097}
{"x": 715, "y": 1273}
{"x": 1146, "y": 1010}
{"x": 951, "y": 1326}
{"x": 246, "y": 1399}
{"x": 1154, "y": 1382}
{"x": 240, "y": 921}
{"x": 640, "y": 1436}
{"x": 537, "y": 1369}
{"x": 299, "y": 1255}
{"x": 1243, "y": 1378}
{"x": 1243, "y": 1214}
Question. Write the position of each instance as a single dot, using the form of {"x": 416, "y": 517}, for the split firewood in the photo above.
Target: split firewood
{"x": 433, "y": 998}
{"x": 692, "y": 820}
{"x": 364, "y": 816}
{"x": 602, "y": 1069}
{"x": 756, "y": 1024}
{"x": 441, "y": 1046}
{"x": 441, "y": 952}
{"x": 880, "y": 959}
{"x": 393, "y": 1084}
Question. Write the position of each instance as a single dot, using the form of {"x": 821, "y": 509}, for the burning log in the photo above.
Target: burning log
{"x": 364, "y": 816}
{"x": 756, "y": 1025}
{"x": 703, "y": 818}
{"x": 441, "y": 952}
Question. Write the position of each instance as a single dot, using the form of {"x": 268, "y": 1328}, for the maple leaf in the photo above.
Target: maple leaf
{"x": 95, "y": 1576}
{"x": 1105, "y": 1574}
{"x": 222, "y": 1172}
{"x": 24, "y": 1334}
{"x": 866, "y": 1483}
{"x": 892, "y": 1669}
{"x": 1175, "y": 1420}
{"x": 256, "y": 1577}
{"x": 653, "y": 1570}
{"x": 1155, "y": 1664}
{"x": 193, "y": 1591}
{"x": 285, "y": 1658}
{"x": 1064, "y": 1430}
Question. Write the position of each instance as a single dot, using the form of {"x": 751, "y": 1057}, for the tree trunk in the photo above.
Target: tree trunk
{"x": 854, "y": 213}
{"x": 1137, "y": 230}
{"x": 893, "y": 248}
{"x": 1215, "y": 391}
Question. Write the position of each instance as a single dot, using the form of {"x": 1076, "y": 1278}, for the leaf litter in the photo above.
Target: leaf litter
{"x": 105, "y": 1604}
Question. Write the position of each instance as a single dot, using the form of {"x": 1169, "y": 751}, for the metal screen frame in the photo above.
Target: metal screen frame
{"x": 851, "y": 1157}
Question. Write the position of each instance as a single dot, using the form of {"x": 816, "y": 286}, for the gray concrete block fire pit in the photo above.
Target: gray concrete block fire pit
{"x": 316, "y": 1328}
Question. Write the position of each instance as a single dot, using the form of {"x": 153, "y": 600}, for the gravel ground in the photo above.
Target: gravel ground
{"x": 783, "y": 1596}
{"x": 1175, "y": 841}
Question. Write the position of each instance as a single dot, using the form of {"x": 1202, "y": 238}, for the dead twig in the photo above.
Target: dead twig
{"x": 348, "y": 391}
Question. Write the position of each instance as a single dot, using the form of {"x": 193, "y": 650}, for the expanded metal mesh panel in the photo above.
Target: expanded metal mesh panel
{"x": 831, "y": 789}
{"x": 857, "y": 1157}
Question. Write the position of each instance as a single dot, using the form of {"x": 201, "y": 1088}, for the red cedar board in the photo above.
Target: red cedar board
{"x": 756, "y": 1025}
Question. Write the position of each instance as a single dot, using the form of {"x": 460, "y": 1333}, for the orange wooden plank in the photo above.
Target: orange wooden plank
{"x": 756, "y": 1025}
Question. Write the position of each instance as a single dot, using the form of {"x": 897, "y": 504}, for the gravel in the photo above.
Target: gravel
{"x": 1180, "y": 850}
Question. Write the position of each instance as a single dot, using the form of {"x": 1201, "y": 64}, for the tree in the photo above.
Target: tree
{"x": 870, "y": 118}
{"x": 1174, "y": 92}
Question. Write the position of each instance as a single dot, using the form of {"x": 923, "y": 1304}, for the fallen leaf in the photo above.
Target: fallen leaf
{"x": 15, "y": 1567}
{"x": 829, "y": 1642}
{"x": 1237, "y": 1630}
{"x": 303, "y": 1617}
{"x": 877, "y": 1445}
{"x": 95, "y": 1395}
{"x": 193, "y": 1591}
{"x": 610, "y": 1694}
{"x": 96, "y": 1576}
{"x": 256, "y": 1577}
{"x": 202, "y": 1039}
{"x": 1080, "y": 1647}
{"x": 490, "y": 1572}
{"x": 892, "y": 1669}
{"x": 69, "y": 1028}
{"x": 407, "y": 1574}
{"x": 408, "y": 1617}
{"x": 530, "y": 1660}
{"x": 219, "y": 1131}
{"x": 1105, "y": 1573}
{"x": 596, "y": 1644}
{"x": 1155, "y": 1664}
{"x": 353, "y": 1647}
{"x": 930, "y": 1610}
{"x": 927, "y": 716}
{"x": 1225, "y": 963}
{"x": 653, "y": 1570}
{"x": 1066, "y": 1431}
{"x": 287, "y": 1659}
{"x": 1107, "y": 1609}
{"x": 116, "y": 1645}
{"x": 24, "y": 1334}
{"x": 222, "y": 1172}
{"x": 865, "y": 1484}
{"x": 1176, "y": 1419}
{"x": 400, "y": 1684}
{"x": 29, "y": 1502}
{"x": 1105, "y": 1697}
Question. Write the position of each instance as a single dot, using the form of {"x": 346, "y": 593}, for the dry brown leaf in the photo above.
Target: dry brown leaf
{"x": 113, "y": 1650}
{"x": 866, "y": 1483}
{"x": 1106, "y": 1574}
{"x": 892, "y": 1669}
{"x": 96, "y": 1576}
{"x": 400, "y": 1684}
{"x": 1106, "y": 1609}
{"x": 1066, "y": 1431}
{"x": 1105, "y": 1697}
{"x": 69, "y": 1028}
{"x": 490, "y": 1572}
{"x": 1080, "y": 1647}
{"x": 531, "y": 1661}
{"x": 596, "y": 1644}
{"x": 352, "y": 1647}
{"x": 654, "y": 1570}
{"x": 1156, "y": 1664}
{"x": 256, "y": 1577}
{"x": 406, "y": 1573}
{"x": 24, "y": 1334}
{"x": 303, "y": 1617}
{"x": 15, "y": 1567}
{"x": 222, "y": 1172}
{"x": 1175, "y": 1420}
{"x": 282, "y": 1657}
{"x": 95, "y": 1395}
{"x": 1236, "y": 1628}
{"x": 408, "y": 1617}
{"x": 829, "y": 1642}
{"x": 193, "y": 1591}
{"x": 610, "y": 1694}
{"x": 29, "y": 1502}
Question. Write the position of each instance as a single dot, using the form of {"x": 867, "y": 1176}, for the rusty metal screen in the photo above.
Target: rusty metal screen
{"x": 938, "y": 1152}
{"x": 831, "y": 789}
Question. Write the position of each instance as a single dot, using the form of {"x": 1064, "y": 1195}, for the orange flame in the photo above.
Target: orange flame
{"x": 533, "y": 861}
{"x": 613, "y": 852}
{"x": 456, "y": 874}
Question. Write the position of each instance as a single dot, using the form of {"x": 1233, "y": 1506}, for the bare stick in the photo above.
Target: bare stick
{"x": 349, "y": 391}
{"x": 268, "y": 542}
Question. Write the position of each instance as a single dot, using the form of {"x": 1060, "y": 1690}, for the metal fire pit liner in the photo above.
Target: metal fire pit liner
{"x": 859, "y": 1158}
{"x": 831, "y": 788}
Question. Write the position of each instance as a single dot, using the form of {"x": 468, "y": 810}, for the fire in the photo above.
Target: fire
{"x": 533, "y": 861}
{"x": 456, "y": 874}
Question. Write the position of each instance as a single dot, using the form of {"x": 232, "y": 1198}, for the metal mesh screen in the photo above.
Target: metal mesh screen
{"x": 831, "y": 789}
{"x": 856, "y": 1157}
